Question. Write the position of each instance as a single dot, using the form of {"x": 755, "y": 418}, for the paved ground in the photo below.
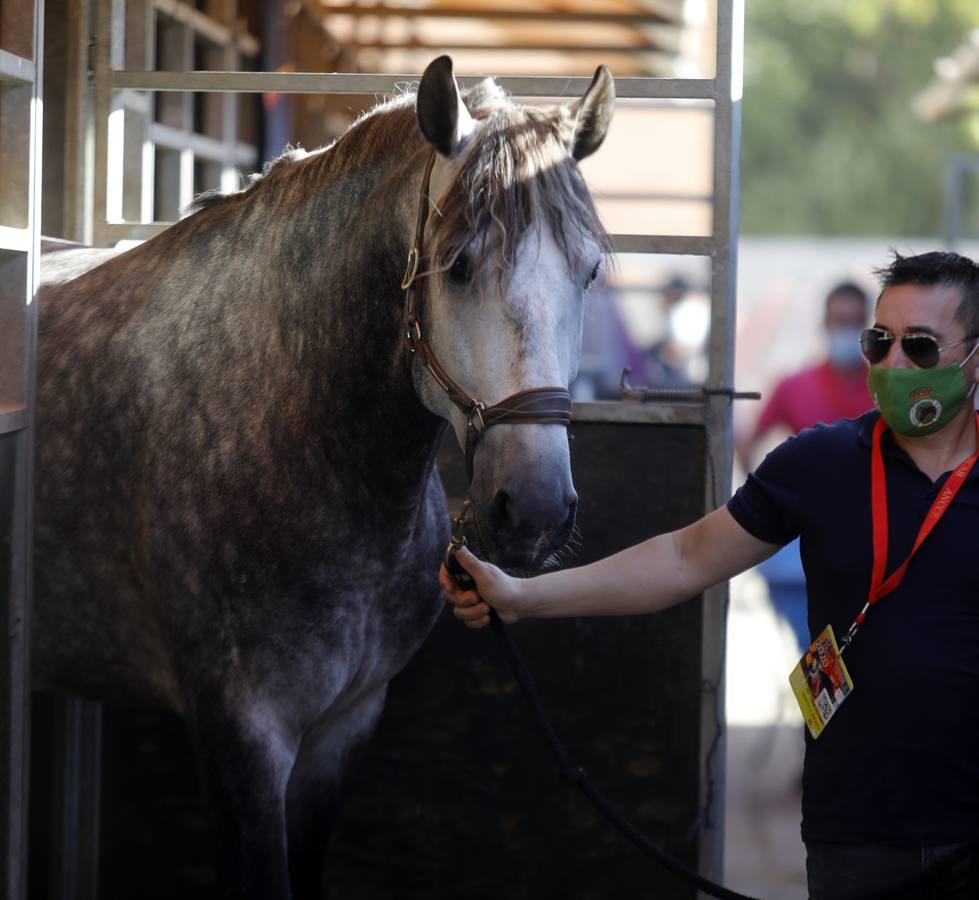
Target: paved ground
{"x": 764, "y": 856}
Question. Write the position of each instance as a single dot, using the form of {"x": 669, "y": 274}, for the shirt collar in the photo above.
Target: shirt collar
{"x": 889, "y": 447}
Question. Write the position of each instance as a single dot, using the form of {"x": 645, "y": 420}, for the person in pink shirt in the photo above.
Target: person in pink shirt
{"x": 834, "y": 389}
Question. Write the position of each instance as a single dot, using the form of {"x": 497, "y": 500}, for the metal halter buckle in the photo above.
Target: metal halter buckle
{"x": 476, "y": 412}
{"x": 411, "y": 338}
{"x": 411, "y": 270}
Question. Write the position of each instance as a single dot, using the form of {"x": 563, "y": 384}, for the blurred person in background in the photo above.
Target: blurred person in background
{"x": 835, "y": 388}
{"x": 679, "y": 358}
{"x": 606, "y": 349}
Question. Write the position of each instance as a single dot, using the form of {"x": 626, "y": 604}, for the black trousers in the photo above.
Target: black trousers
{"x": 852, "y": 871}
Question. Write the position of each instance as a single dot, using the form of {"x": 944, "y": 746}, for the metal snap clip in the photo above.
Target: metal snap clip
{"x": 412, "y": 268}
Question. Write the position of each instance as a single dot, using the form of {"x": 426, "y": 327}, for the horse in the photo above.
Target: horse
{"x": 238, "y": 515}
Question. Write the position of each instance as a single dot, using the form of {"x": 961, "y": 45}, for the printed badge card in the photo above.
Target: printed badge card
{"x": 820, "y": 682}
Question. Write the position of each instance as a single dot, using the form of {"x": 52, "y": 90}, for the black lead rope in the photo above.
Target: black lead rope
{"x": 574, "y": 775}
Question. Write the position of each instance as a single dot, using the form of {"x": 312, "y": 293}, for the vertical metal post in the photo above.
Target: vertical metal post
{"x": 15, "y": 620}
{"x": 718, "y": 413}
{"x": 101, "y": 54}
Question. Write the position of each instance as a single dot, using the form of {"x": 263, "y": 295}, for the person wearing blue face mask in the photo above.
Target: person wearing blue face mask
{"x": 835, "y": 388}
{"x": 886, "y": 507}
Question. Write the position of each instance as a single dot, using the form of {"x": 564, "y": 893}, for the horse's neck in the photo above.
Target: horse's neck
{"x": 361, "y": 398}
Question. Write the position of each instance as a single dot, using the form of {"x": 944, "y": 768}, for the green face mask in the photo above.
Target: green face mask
{"x": 920, "y": 401}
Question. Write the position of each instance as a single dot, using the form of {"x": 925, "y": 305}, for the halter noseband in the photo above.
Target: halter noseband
{"x": 536, "y": 406}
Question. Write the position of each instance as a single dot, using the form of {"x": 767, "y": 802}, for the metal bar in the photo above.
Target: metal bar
{"x": 79, "y": 185}
{"x": 16, "y": 495}
{"x": 957, "y": 167}
{"x": 353, "y": 83}
{"x": 665, "y": 14}
{"x": 134, "y": 101}
{"x": 12, "y": 418}
{"x": 15, "y": 69}
{"x": 206, "y": 27}
{"x": 133, "y": 231}
{"x": 18, "y": 239}
{"x": 678, "y": 245}
{"x": 718, "y": 426}
{"x": 952, "y": 196}
{"x": 211, "y": 149}
{"x": 102, "y": 108}
{"x": 77, "y": 779}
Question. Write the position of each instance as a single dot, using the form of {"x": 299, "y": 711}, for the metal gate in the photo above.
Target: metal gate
{"x": 667, "y": 472}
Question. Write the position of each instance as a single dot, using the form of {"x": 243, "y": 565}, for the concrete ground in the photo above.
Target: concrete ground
{"x": 763, "y": 852}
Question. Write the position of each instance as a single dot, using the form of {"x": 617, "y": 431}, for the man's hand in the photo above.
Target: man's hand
{"x": 494, "y": 588}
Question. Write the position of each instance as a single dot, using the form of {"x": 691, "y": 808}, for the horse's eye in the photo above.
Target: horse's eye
{"x": 460, "y": 272}
{"x": 593, "y": 275}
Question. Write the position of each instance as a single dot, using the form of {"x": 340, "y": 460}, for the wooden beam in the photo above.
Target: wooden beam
{"x": 482, "y": 47}
{"x": 666, "y": 13}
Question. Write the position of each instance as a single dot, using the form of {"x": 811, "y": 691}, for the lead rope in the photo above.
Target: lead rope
{"x": 571, "y": 773}
{"x": 575, "y": 776}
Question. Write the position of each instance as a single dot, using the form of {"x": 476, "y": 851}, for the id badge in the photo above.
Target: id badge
{"x": 820, "y": 681}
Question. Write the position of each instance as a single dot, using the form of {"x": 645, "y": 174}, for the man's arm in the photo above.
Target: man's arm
{"x": 648, "y": 577}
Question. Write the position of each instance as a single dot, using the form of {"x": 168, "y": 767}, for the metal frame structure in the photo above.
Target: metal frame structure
{"x": 130, "y": 152}
{"x": 958, "y": 167}
{"x": 114, "y": 88}
{"x": 20, "y": 173}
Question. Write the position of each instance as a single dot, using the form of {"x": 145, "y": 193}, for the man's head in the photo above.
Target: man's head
{"x": 847, "y": 309}
{"x": 939, "y": 269}
{"x": 921, "y": 348}
{"x": 847, "y": 306}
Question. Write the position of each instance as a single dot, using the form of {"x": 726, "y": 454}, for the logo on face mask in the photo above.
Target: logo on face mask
{"x": 925, "y": 408}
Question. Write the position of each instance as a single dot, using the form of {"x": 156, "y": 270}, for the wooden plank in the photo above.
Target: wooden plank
{"x": 665, "y": 12}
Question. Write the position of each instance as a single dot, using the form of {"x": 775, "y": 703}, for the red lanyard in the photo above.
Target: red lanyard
{"x": 879, "y": 587}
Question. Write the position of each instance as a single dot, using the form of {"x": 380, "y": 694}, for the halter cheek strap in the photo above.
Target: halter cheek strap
{"x": 535, "y": 406}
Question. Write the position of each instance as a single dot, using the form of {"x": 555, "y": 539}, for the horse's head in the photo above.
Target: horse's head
{"x": 510, "y": 247}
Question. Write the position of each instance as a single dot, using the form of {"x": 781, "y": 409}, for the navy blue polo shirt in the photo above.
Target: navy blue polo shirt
{"x": 899, "y": 762}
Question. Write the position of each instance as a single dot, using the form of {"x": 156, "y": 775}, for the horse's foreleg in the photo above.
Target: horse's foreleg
{"x": 245, "y": 761}
{"x": 315, "y": 790}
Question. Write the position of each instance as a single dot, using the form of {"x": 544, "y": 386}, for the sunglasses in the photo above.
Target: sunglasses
{"x": 922, "y": 349}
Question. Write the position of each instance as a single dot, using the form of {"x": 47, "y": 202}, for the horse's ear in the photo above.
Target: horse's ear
{"x": 442, "y": 116}
{"x": 592, "y": 115}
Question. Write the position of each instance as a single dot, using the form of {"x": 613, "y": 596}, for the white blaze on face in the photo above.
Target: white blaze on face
{"x": 495, "y": 345}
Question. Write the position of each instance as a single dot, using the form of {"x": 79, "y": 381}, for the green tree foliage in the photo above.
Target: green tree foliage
{"x": 830, "y": 144}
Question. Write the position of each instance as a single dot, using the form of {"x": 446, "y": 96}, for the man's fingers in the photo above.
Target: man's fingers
{"x": 450, "y": 586}
{"x": 479, "y": 623}
{"x": 471, "y": 613}
{"x": 468, "y": 561}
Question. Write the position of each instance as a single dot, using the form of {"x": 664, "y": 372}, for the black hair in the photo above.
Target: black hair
{"x": 943, "y": 268}
{"x": 850, "y": 289}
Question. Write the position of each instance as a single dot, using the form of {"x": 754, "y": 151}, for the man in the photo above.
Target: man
{"x": 893, "y": 782}
{"x": 834, "y": 389}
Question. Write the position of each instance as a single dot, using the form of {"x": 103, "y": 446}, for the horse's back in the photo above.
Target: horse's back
{"x": 60, "y": 266}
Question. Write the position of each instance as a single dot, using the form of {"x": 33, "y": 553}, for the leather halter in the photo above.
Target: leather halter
{"x": 536, "y": 406}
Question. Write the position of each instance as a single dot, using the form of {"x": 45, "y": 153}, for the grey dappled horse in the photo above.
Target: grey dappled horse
{"x": 238, "y": 515}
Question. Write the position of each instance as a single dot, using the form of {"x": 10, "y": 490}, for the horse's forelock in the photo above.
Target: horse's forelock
{"x": 515, "y": 176}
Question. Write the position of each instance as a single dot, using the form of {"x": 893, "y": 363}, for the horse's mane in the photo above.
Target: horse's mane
{"x": 516, "y": 175}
